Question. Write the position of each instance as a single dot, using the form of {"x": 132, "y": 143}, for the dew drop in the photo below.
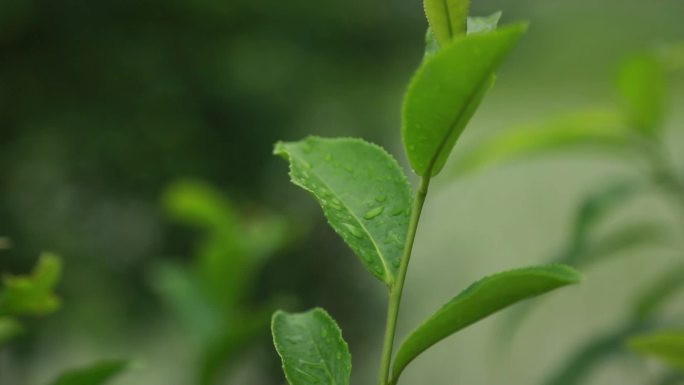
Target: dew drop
{"x": 372, "y": 213}
{"x": 353, "y": 230}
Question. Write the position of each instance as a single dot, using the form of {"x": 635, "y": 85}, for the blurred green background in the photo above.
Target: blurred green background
{"x": 104, "y": 105}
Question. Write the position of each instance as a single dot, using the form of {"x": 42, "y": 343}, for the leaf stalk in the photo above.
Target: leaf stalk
{"x": 397, "y": 288}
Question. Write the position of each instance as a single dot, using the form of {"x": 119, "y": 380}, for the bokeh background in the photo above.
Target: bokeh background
{"x": 104, "y": 105}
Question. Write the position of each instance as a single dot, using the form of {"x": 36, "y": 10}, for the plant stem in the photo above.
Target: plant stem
{"x": 398, "y": 287}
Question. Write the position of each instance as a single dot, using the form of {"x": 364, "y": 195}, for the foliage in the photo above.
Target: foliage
{"x": 28, "y": 295}
{"x": 209, "y": 297}
{"x": 366, "y": 199}
{"x": 633, "y": 131}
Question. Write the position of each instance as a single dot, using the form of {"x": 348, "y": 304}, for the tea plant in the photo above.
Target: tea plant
{"x": 368, "y": 201}
{"x": 633, "y": 132}
{"x": 28, "y": 295}
{"x": 33, "y": 295}
{"x": 209, "y": 296}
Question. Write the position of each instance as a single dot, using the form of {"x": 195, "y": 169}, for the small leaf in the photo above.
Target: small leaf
{"x": 95, "y": 374}
{"x": 642, "y": 84}
{"x": 311, "y": 347}
{"x": 363, "y": 193}
{"x": 598, "y": 204}
{"x": 445, "y": 92}
{"x": 9, "y": 328}
{"x": 484, "y": 24}
{"x": 32, "y": 294}
{"x": 478, "y": 301}
{"x": 666, "y": 345}
{"x": 620, "y": 240}
{"x": 665, "y": 287}
{"x": 431, "y": 45}
{"x": 447, "y": 18}
{"x": 587, "y": 129}
{"x": 188, "y": 301}
{"x": 197, "y": 203}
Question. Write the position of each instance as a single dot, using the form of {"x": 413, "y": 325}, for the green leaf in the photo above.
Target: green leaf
{"x": 588, "y": 129}
{"x": 478, "y": 301}
{"x": 9, "y": 328}
{"x": 32, "y": 294}
{"x": 95, "y": 374}
{"x": 363, "y": 193}
{"x": 311, "y": 347}
{"x": 190, "y": 304}
{"x": 431, "y": 45}
{"x": 664, "y": 288}
{"x": 599, "y": 204}
{"x": 642, "y": 84}
{"x": 445, "y": 92}
{"x": 447, "y": 18}
{"x": 666, "y": 345}
{"x": 484, "y": 24}
{"x": 197, "y": 203}
{"x": 590, "y": 356}
{"x": 622, "y": 239}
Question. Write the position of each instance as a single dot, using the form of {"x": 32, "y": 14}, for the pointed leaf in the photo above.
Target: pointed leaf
{"x": 480, "y": 300}
{"x": 96, "y": 374}
{"x": 32, "y": 294}
{"x": 445, "y": 92}
{"x": 484, "y": 24}
{"x": 588, "y": 129}
{"x": 363, "y": 193}
{"x": 447, "y": 18}
{"x": 642, "y": 83}
{"x": 666, "y": 345}
{"x": 311, "y": 347}
{"x": 664, "y": 288}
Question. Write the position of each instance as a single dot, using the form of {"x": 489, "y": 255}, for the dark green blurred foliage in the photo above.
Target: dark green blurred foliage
{"x": 28, "y": 295}
{"x": 95, "y": 374}
{"x": 211, "y": 297}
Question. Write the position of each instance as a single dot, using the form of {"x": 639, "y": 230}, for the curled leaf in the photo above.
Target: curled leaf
{"x": 445, "y": 92}
{"x": 363, "y": 193}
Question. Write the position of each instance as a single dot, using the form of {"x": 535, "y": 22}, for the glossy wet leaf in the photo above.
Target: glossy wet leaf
{"x": 665, "y": 345}
{"x": 9, "y": 328}
{"x": 666, "y": 286}
{"x": 95, "y": 374}
{"x": 445, "y": 92}
{"x": 642, "y": 83}
{"x": 484, "y": 23}
{"x": 447, "y": 18}
{"x": 312, "y": 349}
{"x": 480, "y": 300}
{"x": 32, "y": 294}
{"x": 601, "y": 130}
{"x": 363, "y": 193}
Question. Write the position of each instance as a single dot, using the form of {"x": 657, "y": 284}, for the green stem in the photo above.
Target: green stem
{"x": 398, "y": 287}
